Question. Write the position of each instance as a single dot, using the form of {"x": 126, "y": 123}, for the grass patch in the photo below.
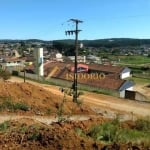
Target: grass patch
{"x": 134, "y": 60}
{"x": 48, "y": 111}
{"x": 21, "y": 106}
{"x": 80, "y": 132}
{"x": 140, "y": 80}
{"x": 106, "y": 92}
{"x": 110, "y": 132}
{"x": 4, "y": 126}
{"x": 8, "y": 104}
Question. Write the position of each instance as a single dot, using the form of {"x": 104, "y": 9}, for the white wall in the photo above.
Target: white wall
{"x": 122, "y": 93}
{"x": 125, "y": 75}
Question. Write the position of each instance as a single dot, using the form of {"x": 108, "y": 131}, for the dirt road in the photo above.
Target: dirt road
{"x": 99, "y": 101}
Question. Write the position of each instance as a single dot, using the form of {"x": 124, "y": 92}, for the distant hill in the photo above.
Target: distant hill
{"x": 113, "y": 42}
{"x": 26, "y": 41}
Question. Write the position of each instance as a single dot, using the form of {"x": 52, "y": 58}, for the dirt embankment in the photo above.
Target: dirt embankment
{"x": 25, "y": 134}
{"x": 39, "y": 100}
{"x": 99, "y": 100}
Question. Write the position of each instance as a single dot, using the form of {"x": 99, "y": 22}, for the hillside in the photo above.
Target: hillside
{"x": 31, "y": 99}
{"x": 113, "y": 42}
{"x": 29, "y": 132}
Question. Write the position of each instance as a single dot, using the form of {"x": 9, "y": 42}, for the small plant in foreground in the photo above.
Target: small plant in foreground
{"x": 21, "y": 106}
{"x": 110, "y": 132}
{"x": 4, "y": 126}
{"x": 11, "y": 106}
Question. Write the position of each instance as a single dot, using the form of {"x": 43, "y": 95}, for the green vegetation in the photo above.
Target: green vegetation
{"x": 133, "y": 60}
{"x": 21, "y": 106}
{"x": 106, "y": 92}
{"x": 140, "y": 80}
{"x": 115, "y": 131}
{"x": 8, "y": 104}
{"x": 4, "y": 74}
{"x": 48, "y": 111}
{"x": 34, "y": 136}
{"x": 60, "y": 110}
{"x": 110, "y": 132}
{"x": 143, "y": 124}
{"x": 33, "y": 132}
{"x": 80, "y": 132}
{"x": 4, "y": 126}
{"x": 107, "y": 43}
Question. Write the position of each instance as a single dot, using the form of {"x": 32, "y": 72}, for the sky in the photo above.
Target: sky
{"x": 48, "y": 19}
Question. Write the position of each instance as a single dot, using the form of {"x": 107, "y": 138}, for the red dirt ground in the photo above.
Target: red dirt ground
{"x": 28, "y": 134}
{"x": 39, "y": 99}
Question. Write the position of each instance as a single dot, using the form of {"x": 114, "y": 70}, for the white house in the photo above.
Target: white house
{"x": 127, "y": 85}
{"x": 125, "y": 73}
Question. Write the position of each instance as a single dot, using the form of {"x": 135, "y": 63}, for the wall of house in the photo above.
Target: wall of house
{"x": 125, "y": 75}
{"x": 122, "y": 93}
{"x": 8, "y": 64}
{"x": 140, "y": 97}
{"x": 134, "y": 95}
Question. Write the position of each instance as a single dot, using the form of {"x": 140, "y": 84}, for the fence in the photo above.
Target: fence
{"x": 84, "y": 87}
{"x": 65, "y": 83}
{"x": 31, "y": 76}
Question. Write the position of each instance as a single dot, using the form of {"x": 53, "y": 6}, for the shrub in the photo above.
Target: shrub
{"x": 21, "y": 106}
{"x": 11, "y": 106}
{"x": 143, "y": 124}
{"x": 5, "y": 75}
{"x": 4, "y": 126}
{"x": 110, "y": 132}
{"x": 106, "y": 132}
{"x": 34, "y": 136}
{"x": 48, "y": 111}
{"x": 80, "y": 132}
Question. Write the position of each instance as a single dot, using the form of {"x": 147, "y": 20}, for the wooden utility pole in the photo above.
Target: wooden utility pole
{"x": 71, "y": 32}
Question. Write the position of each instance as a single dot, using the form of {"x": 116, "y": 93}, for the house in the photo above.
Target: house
{"x": 111, "y": 81}
{"x": 80, "y": 59}
{"x": 125, "y": 73}
{"x": 126, "y": 86}
{"x": 57, "y": 57}
{"x": 11, "y": 64}
{"x": 121, "y": 72}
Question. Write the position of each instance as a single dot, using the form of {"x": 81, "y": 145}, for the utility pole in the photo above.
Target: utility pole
{"x": 71, "y": 32}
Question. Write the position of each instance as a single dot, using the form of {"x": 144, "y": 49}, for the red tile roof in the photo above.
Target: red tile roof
{"x": 106, "y": 83}
{"x": 106, "y": 68}
{"x": 111, "y": 81}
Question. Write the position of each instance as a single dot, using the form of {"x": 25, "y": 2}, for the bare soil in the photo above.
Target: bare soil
{"x": 25, "y": 134}
{"x": 143, "y": 88}
{"x": 99, "y": 100}
{"x": 36, "y": 129}
{"x": 39, "y": 100}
